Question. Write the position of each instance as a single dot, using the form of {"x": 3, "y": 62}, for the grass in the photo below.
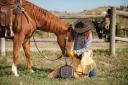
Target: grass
{"x": 110, "y": 71}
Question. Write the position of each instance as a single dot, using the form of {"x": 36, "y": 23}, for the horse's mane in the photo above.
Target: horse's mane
{"x": 44, "y": 19}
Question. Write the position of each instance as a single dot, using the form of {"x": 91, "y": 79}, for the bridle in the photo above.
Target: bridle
{"x": 65, "y": 43}
{"x": 66, "y": 39}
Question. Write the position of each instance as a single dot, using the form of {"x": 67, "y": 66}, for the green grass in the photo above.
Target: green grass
{"x": 110, "y": 71}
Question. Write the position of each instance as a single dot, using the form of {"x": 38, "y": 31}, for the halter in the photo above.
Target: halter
{"x": 65, "y": 40}
{"x": 65, "y": 43}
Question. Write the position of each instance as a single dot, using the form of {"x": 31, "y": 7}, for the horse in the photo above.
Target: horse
{"x": 103, "y": 27}
{"x": 30, "y": 19}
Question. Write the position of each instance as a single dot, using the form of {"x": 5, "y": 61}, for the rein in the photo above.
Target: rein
{"x": 65, "y": 49}
{"x": 44, "y": 56}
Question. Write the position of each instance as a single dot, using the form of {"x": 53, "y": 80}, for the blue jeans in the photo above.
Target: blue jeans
{"x": 92, "y": 73}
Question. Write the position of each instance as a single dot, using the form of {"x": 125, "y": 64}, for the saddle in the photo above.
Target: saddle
{"x": 5, "y": 15}
{"x": 8, "y": 8}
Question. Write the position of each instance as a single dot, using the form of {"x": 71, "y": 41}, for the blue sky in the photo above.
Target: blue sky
{"x": 77, "y": 5}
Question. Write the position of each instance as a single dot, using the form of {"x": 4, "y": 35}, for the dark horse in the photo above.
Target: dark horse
{"x": 103, "y": 27}
{"x": 26, "y": 20}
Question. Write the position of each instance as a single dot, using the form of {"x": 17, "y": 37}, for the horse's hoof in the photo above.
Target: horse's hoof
{"x": 14, "y": 70}
{"x": 31, "y": 70}
{"x": 17, "y": 75}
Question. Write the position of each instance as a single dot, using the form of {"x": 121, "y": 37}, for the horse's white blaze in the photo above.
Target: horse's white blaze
{"x": 14, "y": 70}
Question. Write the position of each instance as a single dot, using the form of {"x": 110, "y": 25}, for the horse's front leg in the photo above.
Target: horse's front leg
{"x": 26, "y": 47}
{"x": 17, "y": 42}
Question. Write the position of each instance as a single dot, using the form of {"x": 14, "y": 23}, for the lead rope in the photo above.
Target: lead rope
{"x": 41, "y": 52}
{"x": 66, "y": 38}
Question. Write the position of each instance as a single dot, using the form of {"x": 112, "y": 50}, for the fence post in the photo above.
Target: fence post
{"x": 113, "y": 29}
{"x": 2, "y": 46}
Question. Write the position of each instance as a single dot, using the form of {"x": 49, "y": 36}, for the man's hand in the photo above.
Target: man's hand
{"x": 72, "y": 53}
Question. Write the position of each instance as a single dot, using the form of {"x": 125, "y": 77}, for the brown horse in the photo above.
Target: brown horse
{"x": 37, "y": 19}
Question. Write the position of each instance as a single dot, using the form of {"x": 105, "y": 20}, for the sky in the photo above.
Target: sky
{"x": 77, "y": 5}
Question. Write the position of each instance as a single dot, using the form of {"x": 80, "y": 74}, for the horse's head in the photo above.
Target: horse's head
{"x": 65, "y": 40}
{"x": 102, "y": 27}
{"x": 106, "y": 23}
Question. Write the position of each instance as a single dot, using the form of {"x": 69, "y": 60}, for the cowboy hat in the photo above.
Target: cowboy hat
{"x": 82, "y": 25}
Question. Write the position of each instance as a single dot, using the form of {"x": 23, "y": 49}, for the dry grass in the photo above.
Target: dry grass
{"x": 110, "y": 71}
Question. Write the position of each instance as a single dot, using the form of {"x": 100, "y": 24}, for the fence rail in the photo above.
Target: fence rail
{"x": 112, "y": 27}
{"x": 79, "y": 17}
{"x": 121, "y": 39}
{"x": 114, "y": 13}
{"x": 55, "y": 40}
{"x": 122, "y": 13}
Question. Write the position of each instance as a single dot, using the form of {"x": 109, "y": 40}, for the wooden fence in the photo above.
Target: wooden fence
{"x": 113, "y": 37}
{"x": 3, "y": 44}
{"x": 2, "y": 47}
{"x": 112, "y": 27}
{"x": 79, "y": 17}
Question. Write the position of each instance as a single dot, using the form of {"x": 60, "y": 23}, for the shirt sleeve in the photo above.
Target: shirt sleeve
{"x": 87, "y": 45}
